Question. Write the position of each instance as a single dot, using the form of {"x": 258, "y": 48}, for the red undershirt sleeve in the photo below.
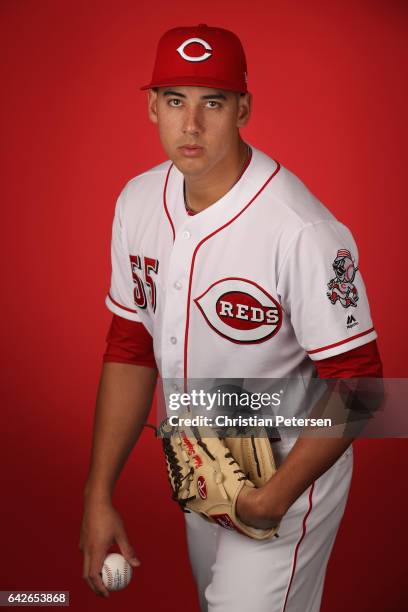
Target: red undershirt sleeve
{"x": 129, "y": 342}
{"x": 361, "y": 362}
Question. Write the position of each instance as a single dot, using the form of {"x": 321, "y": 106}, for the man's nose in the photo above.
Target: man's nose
{"x": 192, "y": 121}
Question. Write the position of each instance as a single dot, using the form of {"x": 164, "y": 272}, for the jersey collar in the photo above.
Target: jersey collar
{"x": 259, "y": 169}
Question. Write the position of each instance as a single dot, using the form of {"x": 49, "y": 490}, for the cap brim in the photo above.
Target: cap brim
{"x": 197, "y": 82}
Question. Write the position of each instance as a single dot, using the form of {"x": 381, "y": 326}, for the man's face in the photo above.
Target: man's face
{"x": 198, "y": 126}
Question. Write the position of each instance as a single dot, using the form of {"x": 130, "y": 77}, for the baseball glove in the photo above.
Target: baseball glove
{"x": 207, "y": 473}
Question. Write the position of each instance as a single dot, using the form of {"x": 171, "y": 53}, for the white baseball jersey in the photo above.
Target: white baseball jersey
{"x": 260, "y": 284}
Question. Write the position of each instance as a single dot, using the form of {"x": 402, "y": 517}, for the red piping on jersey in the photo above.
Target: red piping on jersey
{"x": 191, "y": 213}
{"x": 324, "y": 348}
{"x": 195, "y": 254}
{"x": 120, "y": 305}
{"x": 298, "y": 545}
{"x": 165, "y": 202}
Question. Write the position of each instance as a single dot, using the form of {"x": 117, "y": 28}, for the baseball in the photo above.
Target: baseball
{"x": 116, "y": 572}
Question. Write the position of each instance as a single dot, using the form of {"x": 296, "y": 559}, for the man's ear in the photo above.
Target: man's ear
{"x": 152, "y": 105}
{"x": 244, "y": 109}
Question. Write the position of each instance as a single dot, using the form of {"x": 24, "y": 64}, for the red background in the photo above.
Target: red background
{"x": 329, "y": 85}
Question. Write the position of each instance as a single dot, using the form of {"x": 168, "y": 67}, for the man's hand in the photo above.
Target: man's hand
{"x": 101, "y": 527}
{"x": 124, "y": 398}
{"x": 252, "y": 510}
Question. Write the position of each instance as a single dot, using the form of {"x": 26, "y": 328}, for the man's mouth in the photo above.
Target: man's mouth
{"x": 191, "y": 150}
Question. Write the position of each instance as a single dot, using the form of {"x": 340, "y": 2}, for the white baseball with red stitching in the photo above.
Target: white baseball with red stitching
{"x": 116, "y": 572}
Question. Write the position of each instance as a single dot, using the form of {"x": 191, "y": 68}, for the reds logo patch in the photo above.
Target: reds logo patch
{"x": 240, "y": 310}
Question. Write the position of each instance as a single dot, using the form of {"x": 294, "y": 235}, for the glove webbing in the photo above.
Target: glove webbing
{"x": 227, "y": 455}
{"x": 176, "y": 470}
{"x": 258, "y": 467}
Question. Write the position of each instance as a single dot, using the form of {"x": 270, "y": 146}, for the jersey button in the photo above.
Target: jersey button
{"x": 178, "y": 285}
{"x": 173, "y": 340}
{"x": 186, "y": 235}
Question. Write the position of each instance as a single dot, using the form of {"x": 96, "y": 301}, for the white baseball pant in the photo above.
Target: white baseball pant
{"x": 286, "y": 574}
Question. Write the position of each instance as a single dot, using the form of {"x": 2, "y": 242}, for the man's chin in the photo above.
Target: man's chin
{"x": 190, "y": 166}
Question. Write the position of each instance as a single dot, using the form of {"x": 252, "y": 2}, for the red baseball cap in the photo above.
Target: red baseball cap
{"x": 202, "y": 56}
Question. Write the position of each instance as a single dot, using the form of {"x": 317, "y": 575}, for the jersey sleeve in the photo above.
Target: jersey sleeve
{"x": 120, "y": 299}
{"x": 322, "y": 290}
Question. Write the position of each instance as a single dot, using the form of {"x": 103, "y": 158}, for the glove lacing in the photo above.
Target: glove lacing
{"x": 175, "y": 469}
{"x": 227, "y": 455}
{"x": 176, "y": 474}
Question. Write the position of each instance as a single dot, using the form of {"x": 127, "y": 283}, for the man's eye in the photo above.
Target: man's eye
{"x": 174, "y": 102}
{"x": 213, "y": 104}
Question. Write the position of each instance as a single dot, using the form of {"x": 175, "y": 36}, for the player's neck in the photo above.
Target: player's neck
{"x": 202, "y": 191}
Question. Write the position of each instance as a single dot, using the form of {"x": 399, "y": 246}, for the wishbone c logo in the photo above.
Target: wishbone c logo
{"x": 191, "y": 58}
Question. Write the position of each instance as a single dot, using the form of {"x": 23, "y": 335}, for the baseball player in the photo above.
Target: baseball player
{"x": 225, "y": 265}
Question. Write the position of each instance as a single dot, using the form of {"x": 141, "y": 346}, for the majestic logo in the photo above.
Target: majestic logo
{"x": 194, "y": 58}
{"x": 202, "y": 487}
{"x": 240, "y": 310}
{"x": 341, "y": 287}
{"x": 351, "y": 322}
